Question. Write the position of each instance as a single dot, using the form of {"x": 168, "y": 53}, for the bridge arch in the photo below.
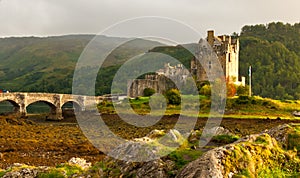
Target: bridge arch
{"x": 15, "y": 105}
{"x": 48, "y": 102}
{"x": 53, "y": 110}
{"x": 71, "y": 104}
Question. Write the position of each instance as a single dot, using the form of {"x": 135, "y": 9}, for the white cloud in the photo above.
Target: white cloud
{"x": 51, "y": 17}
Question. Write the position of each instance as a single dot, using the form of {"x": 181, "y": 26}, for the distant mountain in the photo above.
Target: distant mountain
{"x": 47, "y": 64}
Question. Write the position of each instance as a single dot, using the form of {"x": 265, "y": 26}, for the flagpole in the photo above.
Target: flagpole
{"x": 250, "y": 81}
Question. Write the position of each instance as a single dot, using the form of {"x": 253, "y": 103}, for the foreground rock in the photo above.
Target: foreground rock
{"x": 151, "y": 147}
{"x": 254, "y": 156}
{"x": 75, "y": 167}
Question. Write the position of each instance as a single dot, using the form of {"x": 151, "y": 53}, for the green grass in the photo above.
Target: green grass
{"x": 2, "y": 173}
{"x": 51, "y": 174}
{"x": 70, "y": 170}
{"x": 140, "y": 100}
{"x": 277, "y": 173}
{"x": 293, "y": 140}
{"x": 183, "y": 156}
{"x": 261, "y": 140}
{"x": 243, "y": 174}
{"x": 236, "y": 107}
{"x": 225, "y": 139}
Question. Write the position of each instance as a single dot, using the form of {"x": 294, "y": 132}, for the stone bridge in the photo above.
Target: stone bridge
{"x": 20, "y": 101}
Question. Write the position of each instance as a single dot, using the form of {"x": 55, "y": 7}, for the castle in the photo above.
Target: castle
{"x": 227, "y": 50}
{"x": 225, "y": 47}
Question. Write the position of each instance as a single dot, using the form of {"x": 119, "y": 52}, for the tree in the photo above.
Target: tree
{"x": 149, "y": 91}
{"x": 273, "y": 51}
{"x": 173, "y": 96}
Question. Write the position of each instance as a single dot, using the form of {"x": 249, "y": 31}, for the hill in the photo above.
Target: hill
{"x": 273, "y": 50}
{"x": 47, "y": 64}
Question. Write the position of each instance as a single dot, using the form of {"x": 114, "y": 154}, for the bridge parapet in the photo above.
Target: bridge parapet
{"x": 20, "y": 101}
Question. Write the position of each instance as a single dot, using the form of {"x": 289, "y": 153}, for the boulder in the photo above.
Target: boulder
{"x": 79, "y": 162}
{"x": 247, "y": 157}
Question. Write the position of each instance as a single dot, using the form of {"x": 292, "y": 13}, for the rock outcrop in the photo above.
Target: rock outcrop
{"x": 252, "y": 156}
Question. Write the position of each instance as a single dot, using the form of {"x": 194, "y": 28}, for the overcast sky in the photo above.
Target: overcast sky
{"x": 59, "y": 17}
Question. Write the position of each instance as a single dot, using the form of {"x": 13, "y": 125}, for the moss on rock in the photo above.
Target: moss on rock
{"x": 260, "y": 155}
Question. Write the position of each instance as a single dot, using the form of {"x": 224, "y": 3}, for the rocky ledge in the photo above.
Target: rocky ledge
{"x": 271, "y": 153}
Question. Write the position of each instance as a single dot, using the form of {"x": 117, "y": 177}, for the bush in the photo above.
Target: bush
{"x": 242, "y": 90}
{"x": 225, "y": 139}
{"x": 205, "y": 90}
{"x": 173, "y": 96}
{"x": 149, "y": 91}
{"x": 231, "y": 90}
{"x": 243, "y": 100}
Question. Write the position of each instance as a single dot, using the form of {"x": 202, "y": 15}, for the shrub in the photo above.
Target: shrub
{"x": 173, "y": 97}
{"x": 231, "y": 90}
{"x": 242, "y": 90}
{"x": 69, "y": 169}
{"x": 183, "y": 156}
{"x": 243, "y": 100}
{"x": 226, "y": 139}
{"x": 149, "y": 91}
{"x": 205, "y": 90}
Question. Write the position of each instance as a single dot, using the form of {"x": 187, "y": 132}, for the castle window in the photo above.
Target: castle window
{"x": 209, "y": 64}
{"x": 229, "y": 57}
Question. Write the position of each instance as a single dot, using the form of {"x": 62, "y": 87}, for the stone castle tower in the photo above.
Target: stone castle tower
{"x": 227, "y": 50}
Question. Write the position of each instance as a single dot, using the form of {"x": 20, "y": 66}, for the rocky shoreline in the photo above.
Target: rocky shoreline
{"x": 250, "y": 156}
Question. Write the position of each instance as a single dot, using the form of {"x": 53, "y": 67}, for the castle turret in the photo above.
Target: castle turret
{"x": 210, "y": 37}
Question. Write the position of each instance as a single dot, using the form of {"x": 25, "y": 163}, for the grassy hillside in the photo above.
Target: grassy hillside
{"x": 47, "y": 64}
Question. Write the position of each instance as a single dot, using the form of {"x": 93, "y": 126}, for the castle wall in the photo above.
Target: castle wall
{"x": 159, "y": 83}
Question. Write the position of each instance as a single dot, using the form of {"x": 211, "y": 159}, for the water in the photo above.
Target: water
{"x": 35, "y": 108}
{"x": 6, "y": 107}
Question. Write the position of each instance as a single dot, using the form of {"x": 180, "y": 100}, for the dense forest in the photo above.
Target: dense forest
{"x": 47, "y": 64}
{"x": 273, "y": 51}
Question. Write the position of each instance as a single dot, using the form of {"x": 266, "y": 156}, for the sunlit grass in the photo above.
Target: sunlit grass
{"x": 255, "y": 107}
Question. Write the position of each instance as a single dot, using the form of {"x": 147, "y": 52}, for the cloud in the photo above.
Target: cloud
{"x": 53, "y": 17}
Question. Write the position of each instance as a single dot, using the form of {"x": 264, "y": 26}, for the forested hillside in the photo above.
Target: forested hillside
{"x": 273, "y": 51}
{"x": 47, "y": 64}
